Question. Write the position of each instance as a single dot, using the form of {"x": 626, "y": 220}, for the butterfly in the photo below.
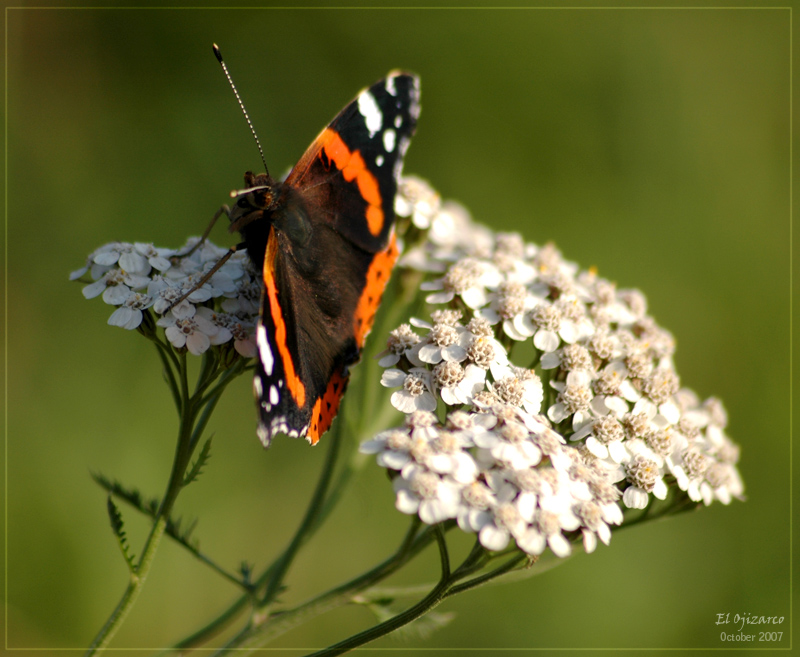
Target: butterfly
{"x": 324, "y": 241}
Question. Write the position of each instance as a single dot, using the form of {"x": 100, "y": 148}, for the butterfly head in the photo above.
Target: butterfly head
{"x": 259, "y": 195}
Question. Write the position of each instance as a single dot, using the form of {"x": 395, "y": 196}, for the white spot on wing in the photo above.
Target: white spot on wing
{"x": 379, "y": 160}
{"x": 273, "y": 395}
{"x": 398, "y": 164}
{"x": 264, "y": 350}
{"x": 390, "y": 85}
{"x": 264, "y": 435}
{"x": 398, "y": 121}
{"x": 369, "y": 109}
{"x": 388, "y": 140}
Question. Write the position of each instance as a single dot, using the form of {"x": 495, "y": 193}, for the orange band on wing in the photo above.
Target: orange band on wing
{"x": 293, "y": 382}
{"x": 353, "y": 168}
{"x": 377, "y": 276}
{"x": 326, "y": 408}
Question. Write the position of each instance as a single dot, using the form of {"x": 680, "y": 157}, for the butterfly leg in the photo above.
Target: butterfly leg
{"x": 210, "y": 272}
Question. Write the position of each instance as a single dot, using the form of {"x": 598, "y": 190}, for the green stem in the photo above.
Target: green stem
{"x": 446, "y": 587}
{"x": 142, "y": 569}
{"x": 189, "y": 407}
{"x": 257, "y": 635}
{"x": 135, "y": 585}
{"x": 305, "y": 529}
{"x": 429, "y": 602}
{"x": 168, "y": 361}
{"x": 272, "y": 578}
{"x": 508, "y": 566}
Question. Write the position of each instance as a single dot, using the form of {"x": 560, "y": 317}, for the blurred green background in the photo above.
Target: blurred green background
{"x": 652, "y": 144}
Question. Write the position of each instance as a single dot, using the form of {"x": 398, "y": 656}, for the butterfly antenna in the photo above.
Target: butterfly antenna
{"x": 241, "y": 104}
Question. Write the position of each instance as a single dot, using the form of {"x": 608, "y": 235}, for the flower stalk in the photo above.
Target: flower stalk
{"x": 194, "y": 410}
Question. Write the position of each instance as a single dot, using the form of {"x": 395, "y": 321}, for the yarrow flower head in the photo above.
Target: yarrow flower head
{"x": 139, "y": 278}
{"x": 552, "y": 451}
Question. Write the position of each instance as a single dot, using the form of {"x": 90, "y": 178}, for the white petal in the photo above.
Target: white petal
{"x": 75, "y": 275}
{"x": 160, "y": 264}
{"x": 406, "y": 502}
{"x": 116, "y": 294}
{"x": 524, "y": 325}
{"x": 660, "y": 489}
{"x": 394, "y": 460}
{"x": 634, "y": 498}
{"x": 596, "y": 447}
{"x": 589, "y": 541}
{"x": 107, "y": 258}
{"x": 670, "y": 411}
{"x": 222, "y": 336}
{"x": 420, "y": 323}
{"x": 393, "y": 378}
{"x": 612, "y": 514}
{"x": 526, "y": 505}
{"x": 184, "y": 310}
{"x": 388, "y": 360}
{"x": 454, "y": 353}
{"x": 629, "y": 391}
{"x": 616, "y": 405}
{"x": 493, "y": 538}
{"x": 476, "y": 519}
{"x": 550, "y": 360}
{"x": 125, "y": 317}
{"x": 430, "y": 353}
{"x": 372, "y": 446}
{"x": 645, "y": 406}
{"x": 568, "y": 331}
{"x": 559, "y": 545}
{"x": 545, "y": 340}
{"x": 439, "y": 297}
{"x": 578, "y": 378}
{"x": 511, "y": 331}
{"x": 426, "y": 402}
{"x": 531, "y": 453}
{"x": 617, "y": 451}
{"x": 449, "y": 396}
{"x": 94, "y": 289}
{"x": 474, "y": 297}
{"x": 489, "y": 314}
{"x": 440, "y": 463}
{"x": 176, "y": 337}
{"x": 403, "y": 402}
{"x": 532, "y": 542}
{"x": 198, "y": 343}
{"x": 466, "y": 470}
{"x": 134, "y": 263}
{"x": 557, "y": 412}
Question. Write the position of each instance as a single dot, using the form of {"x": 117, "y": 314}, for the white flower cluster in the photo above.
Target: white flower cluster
{"x": 536, "y": 453}
{"x": 138, "y": 277}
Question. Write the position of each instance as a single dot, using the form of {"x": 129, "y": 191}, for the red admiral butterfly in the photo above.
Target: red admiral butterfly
{"x": 325, "y": 243}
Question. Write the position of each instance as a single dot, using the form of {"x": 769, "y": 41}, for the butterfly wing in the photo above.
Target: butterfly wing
{"x": 350, "y": 172}
{"x": 328, "y": 258}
